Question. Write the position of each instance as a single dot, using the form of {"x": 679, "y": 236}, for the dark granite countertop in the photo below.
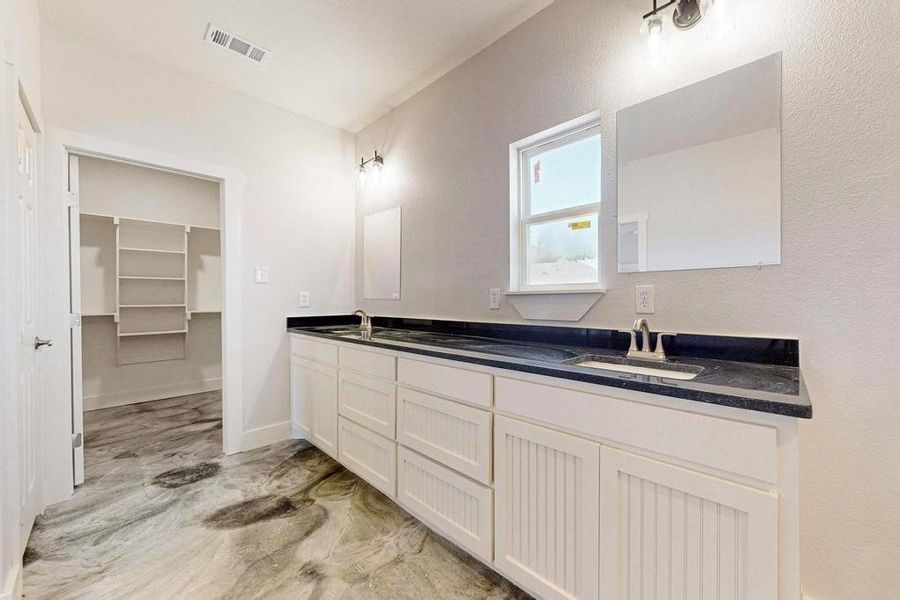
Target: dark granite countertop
{"x": 758, "y": 386}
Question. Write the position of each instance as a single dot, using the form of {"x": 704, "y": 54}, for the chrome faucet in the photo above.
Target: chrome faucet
{"x": 643, "y": 328}
{"x": 365, "y": 321}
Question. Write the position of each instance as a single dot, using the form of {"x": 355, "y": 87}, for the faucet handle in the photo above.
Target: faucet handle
{"x": 631, "y": 332}
{"x": 660, "y": 350}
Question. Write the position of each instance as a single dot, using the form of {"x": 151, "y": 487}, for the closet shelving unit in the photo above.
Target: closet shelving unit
{"x": 157, "y": 283}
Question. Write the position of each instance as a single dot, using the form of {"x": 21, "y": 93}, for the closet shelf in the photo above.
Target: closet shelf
{"x": 152, "y": 250}
{"x": 152, "y": 278}
{"x": 142, "y": 333}
{"x": 151, "y": 306}
{"x": 98, "y": 314}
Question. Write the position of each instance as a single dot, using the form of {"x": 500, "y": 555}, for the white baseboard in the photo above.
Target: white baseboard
{"x": 12, "y": 583}
{"x": 137, "y": 396}
{"x": 264, "y": 436}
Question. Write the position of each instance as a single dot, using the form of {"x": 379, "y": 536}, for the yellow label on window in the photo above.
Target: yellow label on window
{"x": 580, "y": 225}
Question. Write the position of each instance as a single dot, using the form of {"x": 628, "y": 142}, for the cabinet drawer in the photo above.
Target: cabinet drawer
{"x": 459, "y": 384}
{"x": 326, "y": 354}
{"x": 452, "y": 504}
{"x": 741, "y": 448}
{"x": 456, "y": 435}
{"x": 370, "y": 402}
{"x": 369, "y": 363}
{"x": 372, "y": 457}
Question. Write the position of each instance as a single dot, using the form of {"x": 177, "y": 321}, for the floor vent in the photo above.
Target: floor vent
{"x": 220, "y": 37}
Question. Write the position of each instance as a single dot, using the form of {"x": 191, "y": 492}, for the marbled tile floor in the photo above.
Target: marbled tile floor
{"x": 163, "y": 514}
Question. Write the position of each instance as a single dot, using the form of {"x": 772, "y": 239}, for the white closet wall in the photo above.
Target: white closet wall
{"x": 151, "y": 283}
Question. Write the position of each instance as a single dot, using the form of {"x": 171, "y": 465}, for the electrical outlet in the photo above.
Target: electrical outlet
{"x": 262, "y": 274}
{"x": 304, "y": 299}
{"x": 644, "y": 299}
{"x": 495, "y": 298}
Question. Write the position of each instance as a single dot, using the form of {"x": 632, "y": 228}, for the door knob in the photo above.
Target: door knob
{"x": 38, "y": 342}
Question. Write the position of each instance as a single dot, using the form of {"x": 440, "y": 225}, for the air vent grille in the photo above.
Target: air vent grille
{"x": 225, "y": 39}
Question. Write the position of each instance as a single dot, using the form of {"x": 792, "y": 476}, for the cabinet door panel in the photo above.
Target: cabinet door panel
{"x": 301, "y": 404}
{"x": 323, "y": 391}
{"x": 369, "y": 402}
{"x": 456, "y": 435}
{"x": 546, "y": 526}
{"x": 454, "y": 505}
{"x": 372, "y": 457}
{"x": 674, "y": 533}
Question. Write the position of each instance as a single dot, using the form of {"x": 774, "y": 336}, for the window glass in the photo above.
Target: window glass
{"x": 565, "y": 176}
{"x": 563, "y": 251}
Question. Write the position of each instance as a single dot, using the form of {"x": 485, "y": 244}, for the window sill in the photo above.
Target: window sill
{"x": 554, "y": 305}
{"x": 597, "y": 291}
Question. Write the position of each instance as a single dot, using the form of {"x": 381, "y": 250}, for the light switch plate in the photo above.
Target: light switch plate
{"x": 495, "y": 298}
{"x": 262, "y": 274}
{"x": 304, "y": 299}
{"x": 644, "y": 299}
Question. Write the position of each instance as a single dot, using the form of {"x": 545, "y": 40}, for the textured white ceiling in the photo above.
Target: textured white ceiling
{"x": 343, "y": 62}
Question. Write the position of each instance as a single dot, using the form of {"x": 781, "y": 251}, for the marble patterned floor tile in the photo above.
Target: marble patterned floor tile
{"x": 164, "y": 514}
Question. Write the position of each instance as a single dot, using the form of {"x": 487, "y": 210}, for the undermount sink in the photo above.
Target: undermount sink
{"x": 638, "y": 367}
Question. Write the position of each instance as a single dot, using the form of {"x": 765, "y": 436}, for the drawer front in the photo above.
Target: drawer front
{"x": 370, "y": 402}
{"x": 741, "y": 448}
{"x": 369, "y": 363}
{"x": 372, "y": 457}
{"x": 326, "y": 354}
{"x": 455, "y": 506}
{"x": 456, "y": 435}
{"x": 459, "y": 384}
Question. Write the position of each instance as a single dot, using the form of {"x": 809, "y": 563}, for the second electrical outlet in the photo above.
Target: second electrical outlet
{"x": 644, "y": 299}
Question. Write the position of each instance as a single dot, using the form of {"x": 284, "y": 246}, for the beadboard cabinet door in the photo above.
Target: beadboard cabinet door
{"x": 322, "y": 394}
{"x": 301, "y": 402}
{"x": 674, "y": 533}
{"x": 546, "y": 518}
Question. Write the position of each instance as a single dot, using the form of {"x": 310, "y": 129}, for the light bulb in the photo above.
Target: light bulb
{"x": 654, "y": 32}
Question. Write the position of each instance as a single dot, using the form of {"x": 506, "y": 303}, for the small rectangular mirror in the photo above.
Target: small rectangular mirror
{"x": 381, "y": 255}
{"x": 699, "y": 174}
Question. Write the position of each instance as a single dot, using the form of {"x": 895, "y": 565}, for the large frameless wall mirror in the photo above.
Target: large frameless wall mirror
{"x": 699, "y": 173}
{"x": 381, "y": 255}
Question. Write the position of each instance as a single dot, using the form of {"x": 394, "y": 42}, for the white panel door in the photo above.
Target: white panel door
{"x": 676, "y": 534}
{"x": 547, "y": 492}
{"x": 323, "y": 394}
{"x": 27, "y": 287}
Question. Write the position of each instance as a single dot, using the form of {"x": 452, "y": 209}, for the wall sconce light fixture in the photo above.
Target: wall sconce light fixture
{"x": 687, "y": 14}
{"x": 372, "y": 165}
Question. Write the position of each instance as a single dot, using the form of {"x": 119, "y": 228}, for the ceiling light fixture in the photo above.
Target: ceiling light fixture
{"x": 373, "y": 165}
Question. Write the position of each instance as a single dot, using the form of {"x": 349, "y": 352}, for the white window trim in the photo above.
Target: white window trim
{"x": 519, "y": 197}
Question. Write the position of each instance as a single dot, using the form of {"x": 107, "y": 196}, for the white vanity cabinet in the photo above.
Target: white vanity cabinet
{"x": 570, "y": 490}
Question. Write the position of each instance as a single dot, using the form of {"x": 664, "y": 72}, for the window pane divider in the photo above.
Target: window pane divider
{"x": 565, "y": 213}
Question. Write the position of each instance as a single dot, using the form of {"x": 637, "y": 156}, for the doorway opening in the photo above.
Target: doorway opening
{"x": 146, "y": 280}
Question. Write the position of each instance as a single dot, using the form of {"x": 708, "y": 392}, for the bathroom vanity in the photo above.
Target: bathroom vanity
{"x": 571, "y": 481}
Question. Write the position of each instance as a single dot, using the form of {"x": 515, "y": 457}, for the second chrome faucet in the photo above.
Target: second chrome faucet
{"x": 642, "y": 328}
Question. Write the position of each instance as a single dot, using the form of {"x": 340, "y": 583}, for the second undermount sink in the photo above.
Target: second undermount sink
{"x": 637, "y": 367}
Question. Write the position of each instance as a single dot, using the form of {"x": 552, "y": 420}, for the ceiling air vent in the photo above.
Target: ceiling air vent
{"x": 220, "y": 37}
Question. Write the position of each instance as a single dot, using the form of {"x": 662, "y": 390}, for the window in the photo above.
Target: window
{"x": 555, "y": 237}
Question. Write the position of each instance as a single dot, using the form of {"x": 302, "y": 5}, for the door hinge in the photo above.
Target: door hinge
{"x": 74, "y": 320}
{"x": 76, "y": 440}
{"x": 71, "y": 198}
